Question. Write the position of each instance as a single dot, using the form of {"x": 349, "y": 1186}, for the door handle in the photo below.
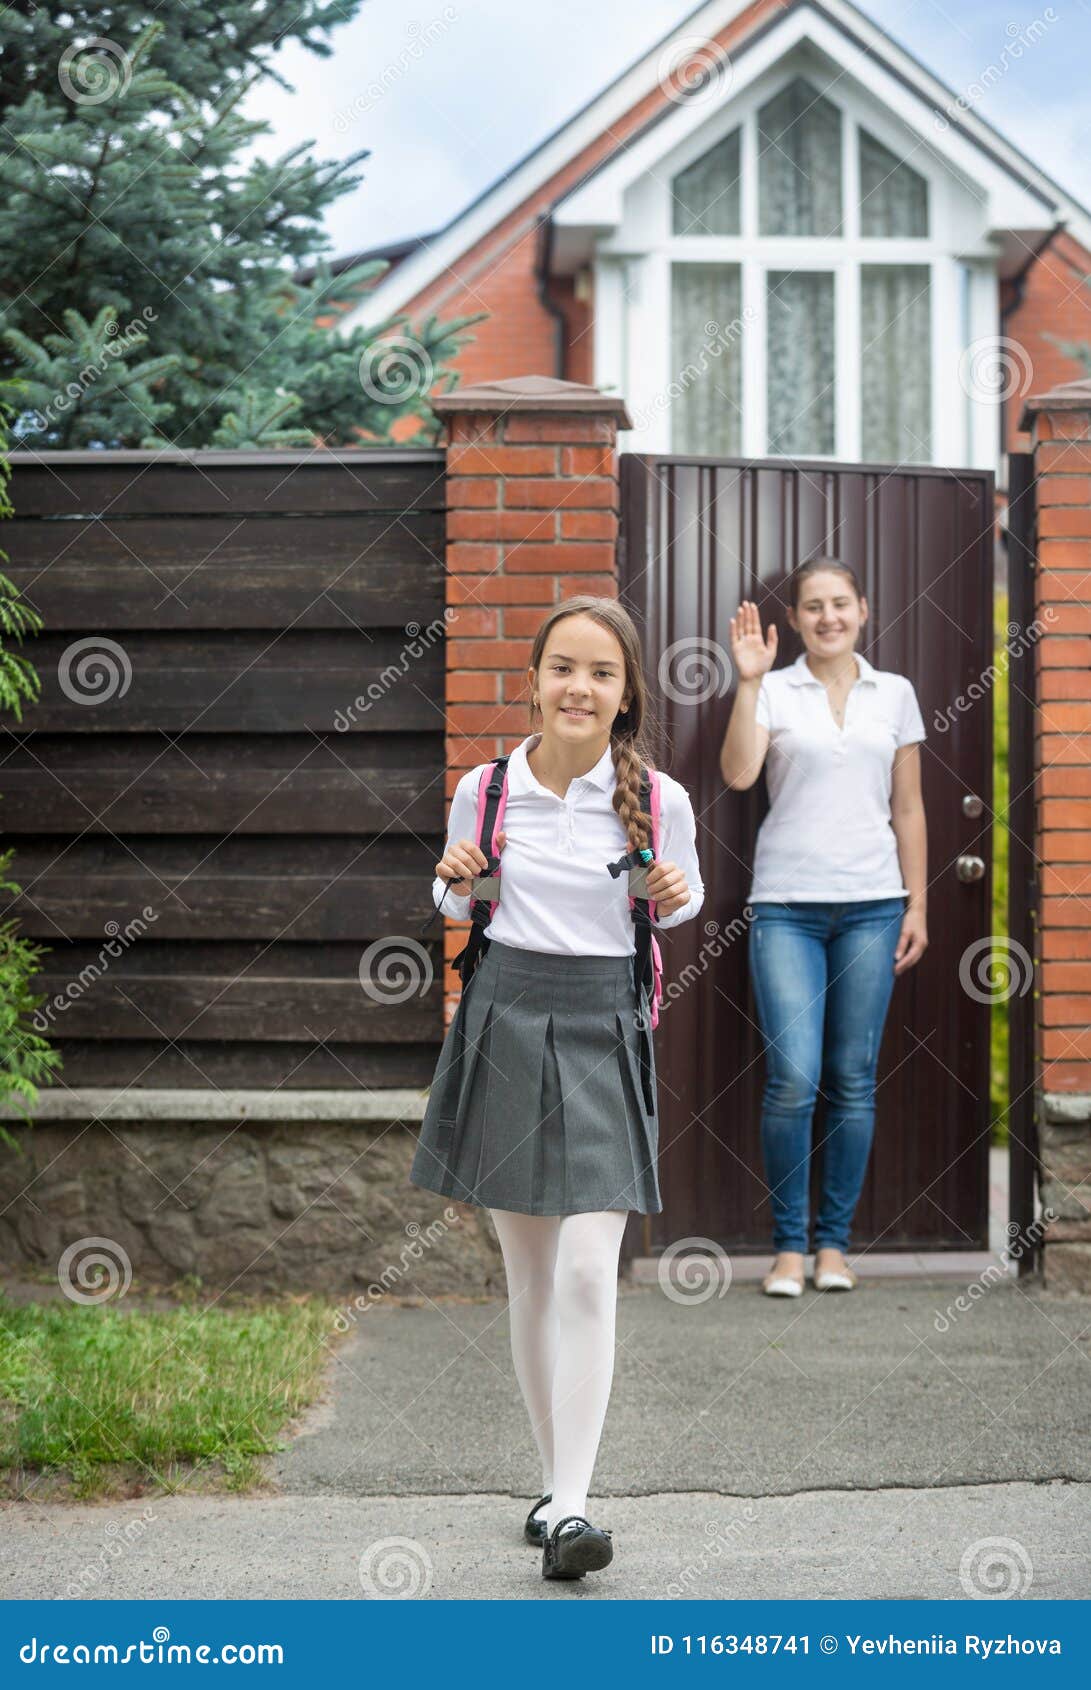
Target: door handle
{"x": 970, "y": 868}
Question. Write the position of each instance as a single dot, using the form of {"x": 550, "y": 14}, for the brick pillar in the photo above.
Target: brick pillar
{"x": 532, "y": 518}
{"x": 1059, "y": 423}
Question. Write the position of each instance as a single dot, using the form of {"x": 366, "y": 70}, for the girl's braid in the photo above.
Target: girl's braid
{"x": 636, "y": 822}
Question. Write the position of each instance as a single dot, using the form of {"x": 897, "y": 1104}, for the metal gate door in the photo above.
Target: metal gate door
{"x": 698, "y": 535}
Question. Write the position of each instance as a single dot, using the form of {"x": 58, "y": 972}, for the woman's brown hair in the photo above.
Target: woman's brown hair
{"x": 628, "y": 740}
{"x": 811, "y": 566}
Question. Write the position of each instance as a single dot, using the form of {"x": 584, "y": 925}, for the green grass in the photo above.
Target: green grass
{"x": 93, "y": 1393}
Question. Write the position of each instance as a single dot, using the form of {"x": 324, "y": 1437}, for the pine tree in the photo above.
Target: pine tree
{"x": 146, "y": 291}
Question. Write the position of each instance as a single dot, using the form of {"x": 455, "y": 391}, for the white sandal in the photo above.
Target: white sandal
{"x": 784, "y": 1285}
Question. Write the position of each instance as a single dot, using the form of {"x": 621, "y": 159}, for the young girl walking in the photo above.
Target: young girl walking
{"x": 543, "y": 1104}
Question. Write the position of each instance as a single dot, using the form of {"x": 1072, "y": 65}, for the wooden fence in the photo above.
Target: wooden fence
{"x": 236, "y": 770}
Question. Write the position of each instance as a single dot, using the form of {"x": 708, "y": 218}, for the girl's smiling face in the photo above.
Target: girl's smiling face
{"x": 828, "y": 616}
{"x": 581, "y": 682}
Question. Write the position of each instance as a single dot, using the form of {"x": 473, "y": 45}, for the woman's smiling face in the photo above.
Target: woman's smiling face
{"x": 828, "y": 616}
{"x": 581, "y": 682}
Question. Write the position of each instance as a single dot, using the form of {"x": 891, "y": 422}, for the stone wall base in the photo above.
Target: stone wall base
{"x": 1064, "y": 1148}
{"x": 272, "y": 1205}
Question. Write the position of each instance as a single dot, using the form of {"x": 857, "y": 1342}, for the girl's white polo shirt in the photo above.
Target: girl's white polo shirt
{"x": 827, "y": 836}
{"x": 556, "y": 893}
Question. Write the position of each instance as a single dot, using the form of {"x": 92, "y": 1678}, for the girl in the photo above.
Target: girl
{"x": 537, "y": 1110}
{"x": 838, "y": 892}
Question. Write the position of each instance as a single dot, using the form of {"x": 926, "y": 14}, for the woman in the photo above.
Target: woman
{"x": 838, "y": 893}
{"x": 538, "y": 1109}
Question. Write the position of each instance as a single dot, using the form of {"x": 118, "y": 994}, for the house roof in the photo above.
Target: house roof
{"x": 395, "y": 251}
{"x": 965, "y": 128}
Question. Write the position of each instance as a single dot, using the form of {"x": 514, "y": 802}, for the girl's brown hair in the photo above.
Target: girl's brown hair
{"x": 628, "y": 734}
{"x": 811, "y": 567}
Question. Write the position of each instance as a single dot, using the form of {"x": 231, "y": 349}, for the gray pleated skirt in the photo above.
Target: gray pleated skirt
{"x": 536, "y": 1105}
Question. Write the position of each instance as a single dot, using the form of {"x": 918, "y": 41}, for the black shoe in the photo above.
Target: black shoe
{"x": 535, "y": 1530}
{"x": 581, "y": 1548}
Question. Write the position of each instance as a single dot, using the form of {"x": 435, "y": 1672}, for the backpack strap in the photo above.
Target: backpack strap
{"x": 492, "y": 799}
{"x": 647, "y": 962}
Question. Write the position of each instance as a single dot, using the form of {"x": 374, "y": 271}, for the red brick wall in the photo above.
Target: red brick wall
{"x": 1062, "y": 455}
{"x": 532, "y": 519}
{"x": 1053, "y": 299}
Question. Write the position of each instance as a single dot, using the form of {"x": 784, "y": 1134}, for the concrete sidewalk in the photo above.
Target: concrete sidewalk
{"x": 873, "y": 1445}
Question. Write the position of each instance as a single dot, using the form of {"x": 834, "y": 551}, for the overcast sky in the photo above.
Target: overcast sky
{"x": 448, "y": 94}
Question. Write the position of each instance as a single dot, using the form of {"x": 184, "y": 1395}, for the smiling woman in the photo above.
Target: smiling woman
{"x": 838, "y": 891}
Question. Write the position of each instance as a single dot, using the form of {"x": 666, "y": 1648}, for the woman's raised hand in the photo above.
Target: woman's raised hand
{"x": 752, "y": 655}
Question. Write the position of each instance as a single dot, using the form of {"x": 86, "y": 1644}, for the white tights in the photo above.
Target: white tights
{"x": 562, "y": 1303}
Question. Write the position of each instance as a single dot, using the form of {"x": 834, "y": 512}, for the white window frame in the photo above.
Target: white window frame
{"x": 633, "y": 265}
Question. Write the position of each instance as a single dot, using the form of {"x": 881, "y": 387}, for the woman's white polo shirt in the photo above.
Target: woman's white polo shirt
{"x": 827, "y": 836}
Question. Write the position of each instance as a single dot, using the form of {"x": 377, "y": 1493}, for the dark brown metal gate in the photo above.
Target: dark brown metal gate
{"x": 698, "y": 535}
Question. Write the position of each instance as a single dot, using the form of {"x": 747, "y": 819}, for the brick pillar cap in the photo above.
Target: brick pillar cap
{"x": 533, "y": 393}
{"x": 1068, "y": 396}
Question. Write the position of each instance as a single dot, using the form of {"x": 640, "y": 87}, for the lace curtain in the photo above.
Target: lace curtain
{"x": 800, "y": 377}
{"x": 706, "y": 359}
{"x": 896, "y": 363}
{"x": 799, "y": 163}
{"x": 705, "y": 196}
{"x": 893, "y": 196}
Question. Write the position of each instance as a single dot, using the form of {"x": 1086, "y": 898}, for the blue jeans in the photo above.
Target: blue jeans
{"x": 822, "y": 976}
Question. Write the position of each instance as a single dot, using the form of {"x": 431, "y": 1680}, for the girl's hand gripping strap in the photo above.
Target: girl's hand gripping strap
{"x": 492, "y": 798}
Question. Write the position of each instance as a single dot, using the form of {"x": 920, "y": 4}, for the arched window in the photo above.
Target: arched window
{"x": 799, "y": 163}
{"x": 800, "y": 308}
{"x": 893, "y": 196}
{"x": 705, "y": 196}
